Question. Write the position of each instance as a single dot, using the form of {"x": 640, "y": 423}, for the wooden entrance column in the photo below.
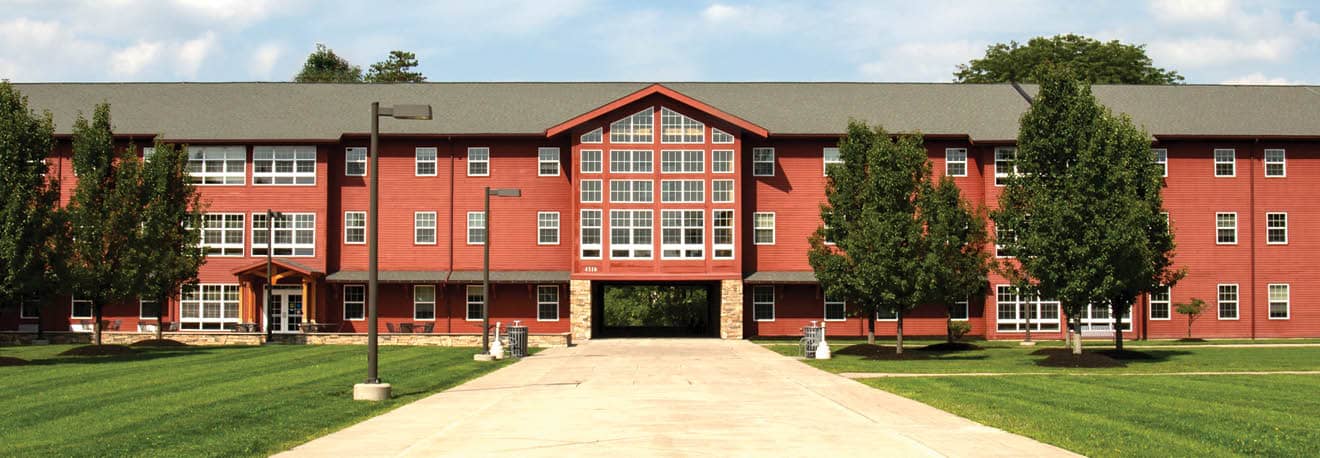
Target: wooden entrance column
{"x": 252, "y": 280}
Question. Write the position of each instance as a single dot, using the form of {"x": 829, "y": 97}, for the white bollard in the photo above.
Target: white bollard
{"x": 496, "y": 349}
{"x": 822, "y": 347}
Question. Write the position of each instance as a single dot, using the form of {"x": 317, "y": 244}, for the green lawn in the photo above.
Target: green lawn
{"x": 205, "y": 401}
{"x": 1100, "y": 415}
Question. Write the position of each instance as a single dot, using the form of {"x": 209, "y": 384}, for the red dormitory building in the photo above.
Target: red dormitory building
{"x": 705, "y": 184}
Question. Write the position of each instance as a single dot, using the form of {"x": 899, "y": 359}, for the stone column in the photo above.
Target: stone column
{"x": 731, "y": 309}
{"x": 579, "y": 309}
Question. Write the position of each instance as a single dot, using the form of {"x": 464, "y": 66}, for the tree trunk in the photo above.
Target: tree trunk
{"x": 870, "y": 332}
{"x": 948, "y": 326}
{"x": 160, "y": 323}
{"x": 898, "y": 347}
{"x": 1077, "y": 340}
{"x": 41, "y": 329}
{"x": 1116, "y": 314}
{"x": 96, "y": 322}
{"x": 1027, "y": 315}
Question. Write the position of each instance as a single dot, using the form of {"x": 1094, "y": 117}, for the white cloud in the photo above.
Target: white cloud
{"x": 190, "y": 54}
{"x": 264, "y": 60}
{"x": 1260, "y": 79}
{"x": 1207, "y": 51}
{"x": 1192, "y": 10}
{"x": 719, "y": 12}
{"x": 237, "y": 12}
{"x": 129, "y": 61}
{"x": 922, "y": 61}
{"x": 35, "y": 50}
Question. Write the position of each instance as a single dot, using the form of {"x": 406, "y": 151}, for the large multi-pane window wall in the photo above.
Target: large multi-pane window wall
{"x": 1015, "y": 309}
{"x": 208, "y": 307}
{"x": 288, "y": 165}
{"x": 295, "y": 235}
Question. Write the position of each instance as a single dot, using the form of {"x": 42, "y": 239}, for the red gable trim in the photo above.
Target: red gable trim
{"x": 657, "y": 89}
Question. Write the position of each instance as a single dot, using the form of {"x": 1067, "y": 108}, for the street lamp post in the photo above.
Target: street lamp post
{"x": 271, "y": 215}
{"x": 485, "y": 265}
{"x": 373, "y": 389}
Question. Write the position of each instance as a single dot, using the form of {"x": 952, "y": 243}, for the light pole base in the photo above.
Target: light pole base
{"x": 1027, "y": 343}
{"x": 483, "y": 357}
{"x": 371, "y": 392}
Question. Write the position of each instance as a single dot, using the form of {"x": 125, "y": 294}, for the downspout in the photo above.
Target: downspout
{"x": 1251, "y": 169}
{"x": 449, "y": 272}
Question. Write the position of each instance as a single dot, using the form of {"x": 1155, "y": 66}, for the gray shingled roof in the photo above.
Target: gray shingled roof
{"x": 390, "y": 276}
{"x": 288, "y": 111}
{"x": 781, "y": 277}
{"x": 511, "y": 276}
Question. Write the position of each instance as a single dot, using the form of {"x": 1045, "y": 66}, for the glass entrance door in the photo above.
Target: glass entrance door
{"x": 286, "y": 310}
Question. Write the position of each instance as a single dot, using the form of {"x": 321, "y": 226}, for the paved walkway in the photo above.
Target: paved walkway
{"x": 675, "y": 397}
{"x": 859, "y": 375}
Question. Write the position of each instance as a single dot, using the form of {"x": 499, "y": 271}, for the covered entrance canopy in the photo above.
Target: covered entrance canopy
{"x": 297, "y": 284}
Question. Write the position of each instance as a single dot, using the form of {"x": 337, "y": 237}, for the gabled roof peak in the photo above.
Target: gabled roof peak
{"x": 657, "y": 88}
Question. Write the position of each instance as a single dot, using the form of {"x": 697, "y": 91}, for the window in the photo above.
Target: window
{"x": 211, "y": 165}
{"x": 722, "y": 234}
{"x": 676, "y": 128}
{"x": 355, "y": 228}
{"x": 547, "y": 303}
{"x": 148, "y": 308}
{"x": 222, "y": 234}
{"x": 591, "y": 160}
{"x": 424, "y": 162}
{"x": 547, "y": 162}
{"x": 960, "y": 311}
{"x": 834, "y": 310}
{"x": 476, "y": 297}
{"x": 31, "y": 308}
{"x": 81, "y": 308}
{"x": 355, "y": 162}
{"x": 1279, "y": 296}
{"x": 886, "y": 314}
{"x": 1225, "y": 228}
{"x": 683, "y": 191}
{"x": 478, "y": 162}
{"x": 424, "y": 228}
{"x": 1225, "y": 163}
{"x": 630, "y": 161}
{"x": 284, "y": 165}
{"x": 633, "y": 129}
{"x": 631, "y": 191}
{"x": 955, "y": 162}
{"x": 763, "y": 228}
{"x": 1004, "y": 239}
{"x": 830, "y": 156}
{"x": 424, "y": 302}
{"x": 595, "y": 136}
{"x": 547, "y": 228}
{"x": 208, "y": 307}
{"x": 682, "y": 234}
{"x": 630, "y": 234}
{"x": 1005, "y": 164}
{"x": 721, "y": 191}
{"x": 1160, "y": 308}
{"x": 591, "y": 192}
{"x": 720, "y": 137}
{"x": 763, "y": 162}
{"x": 1276, "y": 164}
{"x": 763, "y": 303}
{"x": 476, "y": 228}
{"x": 1276, "y": 228}
{"x": 1012, "y": 310}
{"x": 1097, "y": 317}
{"x": 682, "y": 161}
{"x": 827, "y": 234}
{"x": 1228, "y": 302}
{"x": 355, "y": 302}
{"x": 721, "y": 161}
{"x": 1162, "y": 158}
{"x": 295, "y": 235}
{"x": 590, "y": 239}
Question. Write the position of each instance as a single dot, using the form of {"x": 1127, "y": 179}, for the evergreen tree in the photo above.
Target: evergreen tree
{"x": 397, "y": 68}
{"x": 955, "y": 262}
{"x": 875, "y": 261}
{"x": 324, "y": 66}
{"x": 169, "y": 257}
{"x": 28, "y": 201}
{"x": 104, "y": 218}
{"x": 1093, "y": 61}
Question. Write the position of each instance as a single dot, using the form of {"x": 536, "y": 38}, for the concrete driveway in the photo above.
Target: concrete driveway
{"x": 668, "y": 397}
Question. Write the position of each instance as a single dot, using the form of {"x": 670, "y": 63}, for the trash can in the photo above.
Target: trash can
{"x": 517, "y": 334}
{"x": 811, "y": 336}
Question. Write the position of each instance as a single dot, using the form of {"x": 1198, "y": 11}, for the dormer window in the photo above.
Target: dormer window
{"x": 676, "y": 128}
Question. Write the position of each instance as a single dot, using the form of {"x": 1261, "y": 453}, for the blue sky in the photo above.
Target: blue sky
{"x": 1208, "y": 41}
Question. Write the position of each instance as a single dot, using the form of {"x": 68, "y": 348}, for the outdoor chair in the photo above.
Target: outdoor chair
{"x": 428, "y": 328}
{"x": 114, "y": 326}
{"x": 406, "y": 328}
{"x": 390, "y": 327}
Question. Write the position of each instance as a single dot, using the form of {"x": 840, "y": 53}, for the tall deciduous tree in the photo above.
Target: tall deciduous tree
{"x": 28, "y": 200}
{"x": 104, "y": 218}
{"x": 397, "y": 68}
{"x": 324, "y": 66}
{"x": 1084, "y": 204}
{"x": 875, "y": 260}
{"x": 955, "y": 262}
{"x": 1093, "y": 61}
{"x": 169, "y": 256}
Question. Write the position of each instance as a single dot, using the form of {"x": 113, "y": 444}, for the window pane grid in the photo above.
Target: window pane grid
{"x": 547, "y": 228}
{"x": 424, "y": 160}
{"x": 955, "y": 162}
{"x": 682, "y": 191}
{"x": 591, "y": 237}
{"x": 1225, "y": 162}
{"x": 295, "y": 235}
{"x": 288, "y": 165}
{"x": 478, "y": 162}
{"x": 424, "y": 302}
{"x": 355, "y": 227}
{"x": 547, "y": 161}
{"x": 631, "y": 191}
{"x": 1012, "y": 310}
{"x": 591, "y": 191}
{"x": 1279, "y": 298}
{"x": 595, "y": 136}
{"x": 424, "y": 224}
{"x": 208, "y": 306}
{"x": 1228, "y": 302}
{"x": 476, "y": 228}
{"x": 1160, "y": 304}
{"x": 476, "y": 295}
{"x": 676, "y": 128}
{"x": 763, "y": 228}
{"x": 591, "y": 160}
{"x": 634, "y": 129}
{"x": 722, "y": 233}
{"x": 1225, "y": 228}
{"x": 631, "y": 161}
{"x": 720, "y": 137}
{"x": 682, "y": 161}
{"x": 682, "y": 234}
{"x": 721, "y": 191}
{"x": 763, "y": 303}
{"x": 631, "y": 234}
{"x": 355, "y": 162}
{"x": 1275, "y": 163}
{"x": 1005, "y": 165}
{"x": 547, "y": 303}
{"x": 355, "y": 302}
{"x": 1276, "y": 228}
{"x": 834, "y": 310}
{"x": 763, "y": 162}
{"x": 721, "y": 161}
{"x": 222, "y": 234}
{"x": 217, "y": 165}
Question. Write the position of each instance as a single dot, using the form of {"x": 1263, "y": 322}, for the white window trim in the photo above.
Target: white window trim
{"x": 771, "y": 162}
{"x": 773, "y": 299}
{"x": 733, "y": 161}
{"x": 682, "y": 246}
{"x": 683, "y": 162}
{"x": 599, "y": 247}
{"x": 467, "y": 305}
{"x": 539, "y": 303}
{"x": 600, "y": 162}
{"x": 650, "y": 196}
{"x": 715, "y": 132}
{"x": 1265, "y": 158}
{"x": 1040, "y": 306}
{"x": 435, "y": 229}
{"x": 825, "y": 162}
{"x": 1237, "y": 303}
{"x": 650, "y": 153}
{"x": 631, "y": 247}
{"x": 202, "y": 320}
{"x": 1269, "y": 302}
{"x": 650, "y": 139}
{"x": 732, "y": 246}
{"x": 967, "y": 310}
{"x": 1267, "y": 228}
{"x": 539, "y": 228}
{"x": 471, "y": 161}
{"x": 435, "y": 163}
{"x": 1164, "y": 163}
{"x": 600, "y": 191}
{"x": 22, "y": 309}
{"x": 774, "y": 232}
{"x": 999, "y": 246}
{"x": 1150, "y": 306}
{"x": 1008, "y": 173}
{"x": 364, "y": 228}
{"x": 540, "y": 161}
{"x": 366, "y": 161}
{"x": 467, "y": 226}
{"x": 141, "y": 309}
{"x": 683, "y": 119}
{"x": 947, "y": 162}
{"x": 1214, "y": 156}
{"x": 435, "y": 299}
{"x": 733, "y": 192}
{"x": 683, "y": 192}
{"x": 599, "y": 131}
{"x": 241, "y": 174}
{"x": 270, "y": 244}
{"x": 1235, "y": 228}
{"x": 825, "y": 310}
{"x": 295, "y": 174}
{"x": 345, "y": 301}
{"x": 242, "y": 243}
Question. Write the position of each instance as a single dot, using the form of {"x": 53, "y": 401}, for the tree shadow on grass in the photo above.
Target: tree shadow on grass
{"x": 1063, "y": 357}
{"x": 870, "y": 352}
{"x": 135, "y": 354}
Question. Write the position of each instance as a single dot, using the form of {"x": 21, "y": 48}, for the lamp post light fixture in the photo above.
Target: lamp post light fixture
{"x": 373, "y": 389}
{"x": 271, "y": 215}
{"x": 485, "y": 265}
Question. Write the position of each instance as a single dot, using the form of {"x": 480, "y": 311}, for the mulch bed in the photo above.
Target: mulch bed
{"x": 1127, "y": 355}
{"x": 102, "y": 350}
{"x": 1063, "y": 357}
{"x": 159, "y": 343}
{"x": 950, "y": 347}
{"x": 1191, "y": 340}
{"x": 880, "y": 353}
{"x": 12, "y": 361}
